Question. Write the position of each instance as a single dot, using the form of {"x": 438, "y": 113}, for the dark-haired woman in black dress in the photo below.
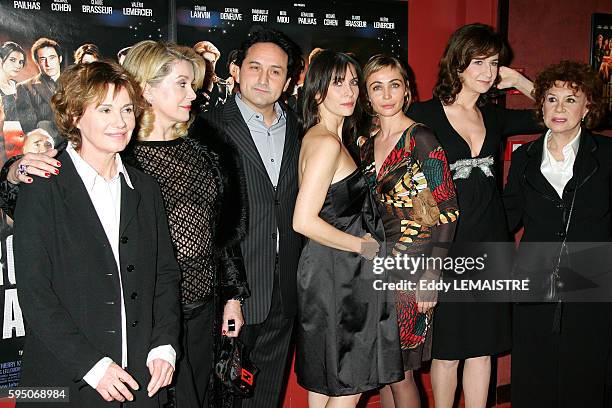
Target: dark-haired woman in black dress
{"x": 471, "y": 130}
{"x": 347, "y": 335}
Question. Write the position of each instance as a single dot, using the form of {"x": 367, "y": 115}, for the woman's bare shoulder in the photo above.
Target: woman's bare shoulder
{"x": 319, "y": 137}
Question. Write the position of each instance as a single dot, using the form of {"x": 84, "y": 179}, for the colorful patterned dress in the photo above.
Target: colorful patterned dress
{"x": 417, "y": 162}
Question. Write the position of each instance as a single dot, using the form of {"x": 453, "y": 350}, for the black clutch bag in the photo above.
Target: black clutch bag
{"x": 234, "y": 368}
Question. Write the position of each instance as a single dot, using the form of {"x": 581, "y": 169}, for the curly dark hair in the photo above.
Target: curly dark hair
{"x": 468, "y": 42}
{"x": 578, "y": 77}
{"x": 83, "y": 84}
{"x": 295, "y": 64}
{"x": 328, "y": 67}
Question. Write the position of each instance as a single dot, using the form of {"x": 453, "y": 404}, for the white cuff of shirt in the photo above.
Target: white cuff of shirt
{"x": 165, "y": 352}
{"x": 94, "y": 375}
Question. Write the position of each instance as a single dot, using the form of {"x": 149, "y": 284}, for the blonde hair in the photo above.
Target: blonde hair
{"x": 150, "y": 62}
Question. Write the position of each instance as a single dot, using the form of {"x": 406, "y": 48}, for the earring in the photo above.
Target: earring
{"x": 368, "y": 109}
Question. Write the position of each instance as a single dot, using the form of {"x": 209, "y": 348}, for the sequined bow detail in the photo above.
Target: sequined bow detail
{"x": 463, "y": 168}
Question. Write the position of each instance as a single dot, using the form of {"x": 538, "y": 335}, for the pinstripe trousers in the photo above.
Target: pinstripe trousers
{"x": 269, "y": 345}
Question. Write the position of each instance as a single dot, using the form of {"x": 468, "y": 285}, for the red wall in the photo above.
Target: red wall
{"x": 545, "y": 32}
{"x": 430, "y": 24}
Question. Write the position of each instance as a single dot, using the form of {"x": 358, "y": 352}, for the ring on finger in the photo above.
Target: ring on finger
{"x": 22, "y": 170}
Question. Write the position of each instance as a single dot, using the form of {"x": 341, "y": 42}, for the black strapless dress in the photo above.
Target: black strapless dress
{"x": 347, "y": 333}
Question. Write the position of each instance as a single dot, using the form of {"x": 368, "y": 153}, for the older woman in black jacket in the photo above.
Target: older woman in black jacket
{"x": 560, "y": 190}
{"x": 204, "y": 196}
{"x": 98, "y": 280}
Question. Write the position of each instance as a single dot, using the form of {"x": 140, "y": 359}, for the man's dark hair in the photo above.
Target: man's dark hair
{"x": 42, "y": 43}
{"x": 295, "y": 64}
{"x": 231, "y": 58}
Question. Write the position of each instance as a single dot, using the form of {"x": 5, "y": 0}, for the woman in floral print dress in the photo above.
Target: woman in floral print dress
{"x": 412, "y": 184}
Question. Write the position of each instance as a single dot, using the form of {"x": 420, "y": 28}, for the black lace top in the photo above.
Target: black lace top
{"x": 189, "y": 189}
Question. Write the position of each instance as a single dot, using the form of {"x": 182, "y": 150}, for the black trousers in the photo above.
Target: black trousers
{"x": 269, "y": 345}
{"x": 194, "y": 367}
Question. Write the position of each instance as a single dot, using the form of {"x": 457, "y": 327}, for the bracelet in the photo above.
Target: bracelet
{"x": 239, "y": 298}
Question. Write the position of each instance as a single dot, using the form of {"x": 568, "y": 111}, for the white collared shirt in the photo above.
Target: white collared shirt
{"x": 106, "y": 199}
{"x": 558, "y": 173}
{"x": 269, "y": 140}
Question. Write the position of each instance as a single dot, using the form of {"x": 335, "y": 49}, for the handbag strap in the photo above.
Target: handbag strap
{"x": 556, "y": 324}
{"x": 567, "y": 225}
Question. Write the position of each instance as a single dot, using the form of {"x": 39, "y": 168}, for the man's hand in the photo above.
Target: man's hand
{"x": 112, "y": 386}
{"x": 161, "y": 375}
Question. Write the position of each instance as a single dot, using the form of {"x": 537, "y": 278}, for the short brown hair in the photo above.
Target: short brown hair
{"x": 468, "y": 42}
{"x": 578, "y": 77}
{"x": 43, "y": 43}
{"x": 87, "y": 49}
{"x": 84, "y": 84}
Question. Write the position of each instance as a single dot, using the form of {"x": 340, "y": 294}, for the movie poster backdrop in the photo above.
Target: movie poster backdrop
{"x": 363, "y": 28}
{"x": 601, "y": 58}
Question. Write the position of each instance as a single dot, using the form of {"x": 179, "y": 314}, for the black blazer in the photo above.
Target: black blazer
{"x": 34, "y": 101}
{"x": 69, "y": 288}
{"x": 269, "y": 209}
{"x": 531, "y": 202}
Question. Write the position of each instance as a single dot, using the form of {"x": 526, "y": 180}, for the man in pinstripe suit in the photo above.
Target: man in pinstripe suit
{"x": 266, "y": 134}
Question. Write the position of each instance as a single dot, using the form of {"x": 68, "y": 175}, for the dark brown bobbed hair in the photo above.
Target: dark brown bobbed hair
{"x": 328, "y": 67}
{"x": 576, "y": 76}
{"x": 83, "y": 84}
{"x": 468, "y": 42}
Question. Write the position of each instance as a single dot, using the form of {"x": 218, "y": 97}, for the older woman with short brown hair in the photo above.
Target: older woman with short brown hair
{"x": 98, "y": 280}
{"x": 559, "y": 190}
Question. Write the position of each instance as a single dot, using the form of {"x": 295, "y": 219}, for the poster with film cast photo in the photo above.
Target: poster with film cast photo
{"x": 601, "y": 58}
{"x": 62, "y": 32}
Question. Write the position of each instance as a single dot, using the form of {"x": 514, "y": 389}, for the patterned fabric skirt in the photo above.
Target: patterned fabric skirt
{"x": 415, "y": 330}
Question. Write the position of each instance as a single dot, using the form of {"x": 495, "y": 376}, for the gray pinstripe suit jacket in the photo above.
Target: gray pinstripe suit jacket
{"x": 269, "y": 210}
